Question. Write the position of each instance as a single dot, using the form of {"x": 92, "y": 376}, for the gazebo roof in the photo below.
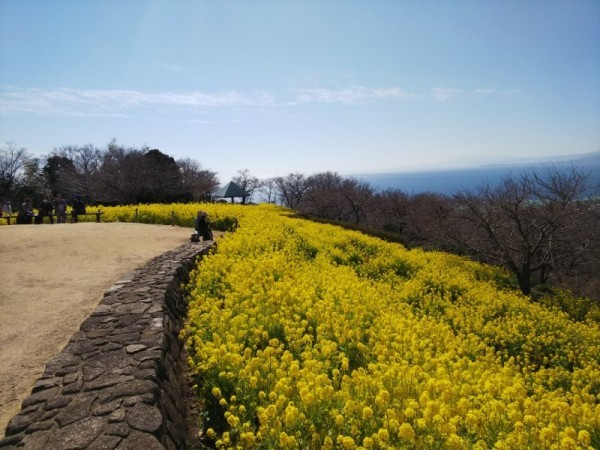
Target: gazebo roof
{"x": 231, "y": 190}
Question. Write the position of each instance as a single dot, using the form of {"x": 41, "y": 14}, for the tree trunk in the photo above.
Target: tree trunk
{"x": 524, "y": 279}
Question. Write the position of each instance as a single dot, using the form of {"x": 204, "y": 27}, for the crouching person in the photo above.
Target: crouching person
{"x": 202, "y": 226}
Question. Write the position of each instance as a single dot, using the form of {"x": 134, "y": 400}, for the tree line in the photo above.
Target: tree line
{"x": 112, "y": 175}
{"x": 541, "y": 225}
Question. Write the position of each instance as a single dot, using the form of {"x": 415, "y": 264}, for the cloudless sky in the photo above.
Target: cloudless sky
{"x": 304, "y": 86}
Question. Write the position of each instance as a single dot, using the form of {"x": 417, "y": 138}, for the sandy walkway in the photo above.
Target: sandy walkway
{"x": 52, "y": 277}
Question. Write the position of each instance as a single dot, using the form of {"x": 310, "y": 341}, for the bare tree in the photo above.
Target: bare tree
{"x": 324, "y": 197}
{"x": 358, "y": 196}
{"x": 121, "y": 177}
{"x": 330, "y": 196}
{"x": 520, "y": 223}
{"x": 12, "y": 161}
{"x": 201, "y": 184}
{"x": 139, "y": 175}
{"x": 268, "y": 190}
{"x": 73, "y": 170}
{"x": 578, "y": 251}
{"x": 291, "y": 189}
{"x": 86, "y": 158}
{"x": 428, "y": 221}
{"x": 391, "y": 212}
{"x": 247, "y": 182}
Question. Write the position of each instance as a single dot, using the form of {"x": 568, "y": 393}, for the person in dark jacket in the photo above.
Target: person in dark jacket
{"x": 45, "y": 210}
{"x": 78, "y": 208}
{"x": 202, "y": 227}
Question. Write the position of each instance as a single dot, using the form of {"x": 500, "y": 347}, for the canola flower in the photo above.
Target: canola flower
{"x": 305, "y": 335}
{"x": 222, "y": 217}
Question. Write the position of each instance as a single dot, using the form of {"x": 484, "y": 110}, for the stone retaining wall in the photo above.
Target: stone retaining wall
{"x": 120, "y": 382}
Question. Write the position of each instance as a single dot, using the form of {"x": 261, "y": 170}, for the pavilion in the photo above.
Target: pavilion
{"x": 232, "y": 190}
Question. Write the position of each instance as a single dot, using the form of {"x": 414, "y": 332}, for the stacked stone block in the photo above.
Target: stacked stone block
{"x": 120, "y": 382}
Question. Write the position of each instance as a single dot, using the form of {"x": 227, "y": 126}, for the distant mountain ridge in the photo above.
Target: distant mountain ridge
{"x": 581, "y": 158}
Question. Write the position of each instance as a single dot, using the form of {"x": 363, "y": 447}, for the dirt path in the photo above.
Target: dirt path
{"x": 51, "y": 278}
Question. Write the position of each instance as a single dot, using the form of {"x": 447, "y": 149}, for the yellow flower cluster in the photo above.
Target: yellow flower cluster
{"x": 305, "y": 335}
{"x": 309, "y": 336}
{"x": 221, "y": 216}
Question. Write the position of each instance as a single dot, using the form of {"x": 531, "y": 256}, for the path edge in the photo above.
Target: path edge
{"x": 120, "y": 382}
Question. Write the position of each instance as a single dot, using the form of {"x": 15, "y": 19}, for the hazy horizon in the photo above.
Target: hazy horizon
{"x": 490, "y": 162}
{"x": 448, "y": 180}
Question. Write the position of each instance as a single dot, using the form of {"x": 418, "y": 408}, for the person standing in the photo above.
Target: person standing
{"x": 6, "y": 208}
{"x": 60, "y": 208}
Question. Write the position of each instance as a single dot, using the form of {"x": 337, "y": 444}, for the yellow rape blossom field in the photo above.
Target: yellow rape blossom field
{"x": 304, "y": 335}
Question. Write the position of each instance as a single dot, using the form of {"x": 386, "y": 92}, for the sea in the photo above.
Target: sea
{"x": 448, "y": 182}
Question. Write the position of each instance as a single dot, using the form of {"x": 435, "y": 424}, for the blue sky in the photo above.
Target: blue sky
{"x": 304, "y": 86}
